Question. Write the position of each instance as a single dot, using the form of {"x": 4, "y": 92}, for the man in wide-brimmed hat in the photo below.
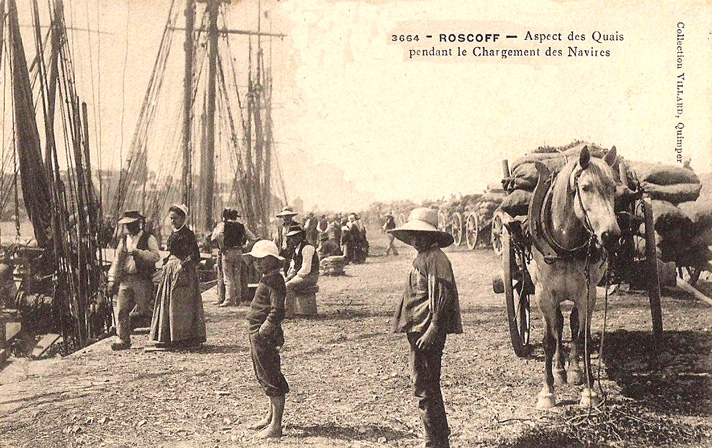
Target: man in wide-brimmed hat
{"x": 287, "y": 215}
{"x": 427, "y": 312}
{"x": 304, "y": 265}
{"x": 131, "y": 274}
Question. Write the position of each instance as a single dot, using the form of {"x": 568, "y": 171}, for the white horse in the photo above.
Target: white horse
{"x": 581, "y": 223}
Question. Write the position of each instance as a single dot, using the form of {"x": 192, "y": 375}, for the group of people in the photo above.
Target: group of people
{"x": 427, "y": 312}
{"x": 337, "y": 235}
{"x": 178, "y": 319}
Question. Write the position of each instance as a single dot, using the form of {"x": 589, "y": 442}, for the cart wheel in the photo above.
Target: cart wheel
{"x": 472, "y": 230}
{"x": 516, "y": 292}
{"x": 651, "y": 263}
{"x": 456, "y": 228}
{"x": 496, "y": 233}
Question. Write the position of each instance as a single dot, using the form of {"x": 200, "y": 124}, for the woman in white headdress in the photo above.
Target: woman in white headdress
{"x": 178, "y": 316}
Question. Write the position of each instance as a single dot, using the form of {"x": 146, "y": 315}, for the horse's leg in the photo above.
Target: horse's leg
{"x": 573, "y": 374}
{"x": 547, "y": 398}
{"x": 559, "y": 371}
{"x": 589, "y": 397}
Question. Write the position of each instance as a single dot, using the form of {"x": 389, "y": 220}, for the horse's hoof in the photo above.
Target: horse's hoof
{"x": 589, "y": 398}
{"x": 574, "y": 377}
{"x": 546, "y": 401}
{"x": 559, "y": 376}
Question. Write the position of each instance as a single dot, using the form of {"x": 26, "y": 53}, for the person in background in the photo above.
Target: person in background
{"x": 178, "y": 316}
{"x": 131, "y": 274}
{"x": 304, "y": 266}
{"x": 323, "y": 226}
{"x": 311, "y": 228}
{"x": 231, "y": 234}
{"x": 266, "y": 335}
{"x": 334, "y": 229}
{"x": 428, "y": 311}
{"x": 287, "y": 215}
{"x": 328, "y": 247}
{"x": 390, "y": 224}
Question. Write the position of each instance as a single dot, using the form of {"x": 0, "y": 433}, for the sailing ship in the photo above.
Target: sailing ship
{"x": 227, "y": 155}
{"x": 60, "y": 271}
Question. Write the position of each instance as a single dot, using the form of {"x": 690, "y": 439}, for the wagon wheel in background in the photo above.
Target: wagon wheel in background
{"x": 496, "y": 233}
{"x": 517, "y": 289}
{"x": 456, "y": 228}
{"x": 651, "y": 267}
{"x": 443, "y": 222}
{"x": 472, "y": 230}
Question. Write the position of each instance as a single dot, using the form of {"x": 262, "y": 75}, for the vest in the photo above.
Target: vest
{"x": 234, "y": 235}
{"x": 144, "y": 268}
{"x": 298, "y": 260}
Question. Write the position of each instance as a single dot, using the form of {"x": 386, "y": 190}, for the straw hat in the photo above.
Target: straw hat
{"x": 422, "y": 220}
{"x": 130, "y": 216}
{"x": 286, "y": 211}
{"x": 262, "y": 249}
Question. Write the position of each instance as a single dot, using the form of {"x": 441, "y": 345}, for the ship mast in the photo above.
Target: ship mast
{"x": 187, "y": 100}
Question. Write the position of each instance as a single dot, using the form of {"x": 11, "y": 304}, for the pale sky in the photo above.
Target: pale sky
{"x": 356, "y": 121}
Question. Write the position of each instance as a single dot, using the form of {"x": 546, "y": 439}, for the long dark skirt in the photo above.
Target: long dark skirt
{"x": 178, "y": 315}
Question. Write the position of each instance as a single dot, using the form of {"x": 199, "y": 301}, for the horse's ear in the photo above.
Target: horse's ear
{"x": 611, "y": 157}
{"x": 584, "y": 158}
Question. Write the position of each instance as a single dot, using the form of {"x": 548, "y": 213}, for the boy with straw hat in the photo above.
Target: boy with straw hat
{"x": 266, "y": 336}
{"x": 427, "y": 312}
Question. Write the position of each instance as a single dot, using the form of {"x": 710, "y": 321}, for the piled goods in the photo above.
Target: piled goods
{"x": 524, "y": 176}
{"x": 487, "y": 204}
{"x": 333, "y": 265}
{"x": 683, "y": 223}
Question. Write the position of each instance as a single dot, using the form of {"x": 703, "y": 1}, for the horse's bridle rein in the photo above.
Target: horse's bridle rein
{"x": 590, "y": 246}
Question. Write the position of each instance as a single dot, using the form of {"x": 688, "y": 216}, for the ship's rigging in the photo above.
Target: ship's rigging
{"x": 220, "y": 150}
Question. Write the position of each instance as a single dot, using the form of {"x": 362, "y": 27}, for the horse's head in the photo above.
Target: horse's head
{"x": 593, "y": 186}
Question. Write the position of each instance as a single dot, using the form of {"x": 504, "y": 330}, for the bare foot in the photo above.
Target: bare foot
{"x": 261, "y": 423}
{"x": 270, "y": 432}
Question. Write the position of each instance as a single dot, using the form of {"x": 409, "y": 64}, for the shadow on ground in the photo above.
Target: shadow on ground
{"x": 670, "y": 376}
{"x": 344, "y": 432}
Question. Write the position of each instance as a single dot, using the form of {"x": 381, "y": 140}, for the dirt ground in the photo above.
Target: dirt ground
{"x": 349, "y": 378}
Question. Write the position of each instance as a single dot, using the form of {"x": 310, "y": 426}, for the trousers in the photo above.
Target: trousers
{"x": 232, "y": 274}
{"x": 134, "y": 290}
{"x": 425, "y": 366}
{"x": 391, "y": 245}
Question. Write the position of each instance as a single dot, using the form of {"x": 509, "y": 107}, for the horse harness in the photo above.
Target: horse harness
{"x": 540, "y": 223}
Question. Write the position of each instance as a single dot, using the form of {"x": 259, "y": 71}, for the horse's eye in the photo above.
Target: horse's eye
{"x": 587, "y": 188}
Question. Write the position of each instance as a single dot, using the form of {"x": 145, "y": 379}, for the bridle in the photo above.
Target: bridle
{"x": 589, "y": 248}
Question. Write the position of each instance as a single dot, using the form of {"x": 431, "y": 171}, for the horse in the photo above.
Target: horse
{"x": 581, "y": 225}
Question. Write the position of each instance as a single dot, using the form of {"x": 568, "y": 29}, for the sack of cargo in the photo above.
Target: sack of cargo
{"x": 492, "y": 197}
{"x": 517, "y": 203}
{"x": 669, "y": 218}
{"x": 699, "y": 212}
{"x": 674, "y": 194}
{"x": 657, "y": 173}
{"x": 488, "y": 206}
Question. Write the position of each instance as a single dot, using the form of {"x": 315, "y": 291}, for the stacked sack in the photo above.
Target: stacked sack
{"x": 683, "y": 219}
{"x": 522, "y": 181}
{"x": 486, "y": 205}
{"x": 683, "y": 223}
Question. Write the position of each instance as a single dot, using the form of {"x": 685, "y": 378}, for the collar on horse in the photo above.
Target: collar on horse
{"x": 539, "y": 218}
